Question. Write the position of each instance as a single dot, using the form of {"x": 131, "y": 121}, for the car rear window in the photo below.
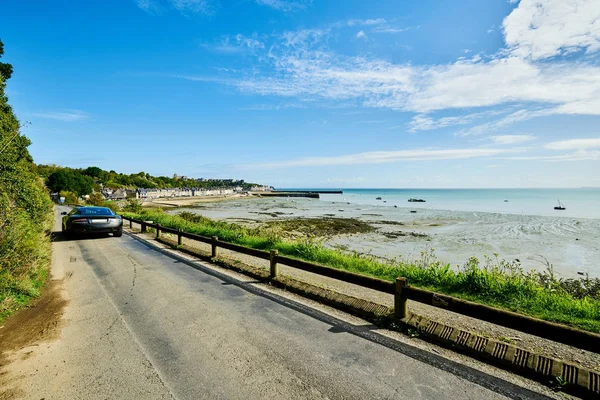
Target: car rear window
{"x": 95, "y": 211}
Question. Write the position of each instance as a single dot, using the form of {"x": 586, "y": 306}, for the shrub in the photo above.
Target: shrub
{"x": 25, "y": 214}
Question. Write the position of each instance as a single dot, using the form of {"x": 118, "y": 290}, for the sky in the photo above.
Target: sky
{"x": 313, "y": 93}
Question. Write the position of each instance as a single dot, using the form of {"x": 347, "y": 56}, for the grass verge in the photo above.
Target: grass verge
{"x": 24, "y": 264}
{"x": 495, "y": 282}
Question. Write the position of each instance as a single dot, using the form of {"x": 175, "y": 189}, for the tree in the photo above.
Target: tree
{"x": 93, "y": 172}
{"x": 70, "y": 197}
{"x": 6, "y": 70}
{"x": 71, "y": 180}
{"x": 96, "y": 199}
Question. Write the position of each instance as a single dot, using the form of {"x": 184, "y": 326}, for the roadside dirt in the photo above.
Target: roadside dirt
{"x": 40, "y": 322}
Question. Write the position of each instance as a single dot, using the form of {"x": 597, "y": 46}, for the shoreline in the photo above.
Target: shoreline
{"x": 570, "y": 244}
{"x": 179, "y": 202}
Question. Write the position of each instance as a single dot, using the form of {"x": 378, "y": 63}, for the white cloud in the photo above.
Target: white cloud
{"x": 579, "y": 155}
{"x": 67, "y": 115}
{"x": 511, "y": 139}
{"x": 272, "y": 107}
{"x": 183, "y": 6}
{"x": 574, "y": 144}
{"x": 510, "y": 119}
{"x": 150, "y": 6}
{"x": 385, "y": 157}
{"x": 480, "y": 83}
{"x": 285, "y": 5}
{"x": 303, "y": 71}
{"x": 194, "y": 6}
{"x": 361, "y": 34}
{"x": 300, "y": 64}
{"x": 376, "y": 21}
{"x": 390, "y": 30}
{"x": 423, "y": 122}
{"x": 539, "y": 29}
{"x": 236, "y": 44}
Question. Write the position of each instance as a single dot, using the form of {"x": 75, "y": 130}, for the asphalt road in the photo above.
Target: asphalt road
{"x": 141, "y": 324}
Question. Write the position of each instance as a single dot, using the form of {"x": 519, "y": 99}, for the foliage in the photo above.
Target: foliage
{"x": 6, "y": 70}
{"x": 114, "y": 180}
{"x": 70, "y": 197}
{"x": 71, "y": 180}
{"x": 113, "y": 205}
{"x": 25, "y": 212}
{"x": 494, "y": 282}
{"x": 133, "y": 205}
{"x": 96, "y": 199}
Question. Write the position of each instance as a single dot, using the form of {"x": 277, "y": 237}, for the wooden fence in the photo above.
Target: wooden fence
{"x": 402, "y": 292}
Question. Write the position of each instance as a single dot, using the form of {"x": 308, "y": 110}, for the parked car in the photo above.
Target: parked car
{"x": 92, "y": 220}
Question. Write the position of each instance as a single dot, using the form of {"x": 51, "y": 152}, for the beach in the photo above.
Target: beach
{"x": 571, "y": 245}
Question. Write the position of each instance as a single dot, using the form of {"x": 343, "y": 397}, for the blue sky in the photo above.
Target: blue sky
{"x": 301, "y": 93}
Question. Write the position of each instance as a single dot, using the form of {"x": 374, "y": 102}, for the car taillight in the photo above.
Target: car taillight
{"x": 80, "y": 220}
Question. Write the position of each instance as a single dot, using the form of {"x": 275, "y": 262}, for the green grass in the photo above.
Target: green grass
{"x": 24, "y": 260}
{"x": 575, "y": 302}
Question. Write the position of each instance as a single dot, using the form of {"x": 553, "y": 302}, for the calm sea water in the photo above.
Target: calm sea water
{"x": 582, "y": 203}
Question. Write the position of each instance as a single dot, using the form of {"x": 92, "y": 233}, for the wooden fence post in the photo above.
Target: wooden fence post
{"x": 130, "y": 224}
{"x": 215, "y": 253}
{"x": 400, "y": 299}
{"x": 143, "y": 230}
{"x": 157, "y": 231}
{"x": 179, "y": 238}
{"x": 274, "y": 267}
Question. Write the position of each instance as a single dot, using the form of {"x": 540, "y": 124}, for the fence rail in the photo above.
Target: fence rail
{"x": 403, "y": 292}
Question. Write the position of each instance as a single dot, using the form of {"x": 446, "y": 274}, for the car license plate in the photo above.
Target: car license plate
{"x": 98, "y": 221}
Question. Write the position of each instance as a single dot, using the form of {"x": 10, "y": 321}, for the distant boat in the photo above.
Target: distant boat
{"x": 506, "y": 201}
{"x": 560, "y": 206}
{"x": 411, "y": 200}
{"x": 413, "y": 211}
{"x": 377, "y": 198}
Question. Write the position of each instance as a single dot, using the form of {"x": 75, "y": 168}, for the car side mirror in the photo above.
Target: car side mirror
{"x": 63, "y": 213}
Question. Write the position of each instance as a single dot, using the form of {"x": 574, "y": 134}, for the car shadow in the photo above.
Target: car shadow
{"x": 58, "y": 236}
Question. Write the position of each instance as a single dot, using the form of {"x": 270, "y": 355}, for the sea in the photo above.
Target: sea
{"x": 579, "y": 202}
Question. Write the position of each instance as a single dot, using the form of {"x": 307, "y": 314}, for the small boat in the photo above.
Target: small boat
{"x": 411, "y": 200}
{"x": 560, "y": 206}
{"x": 395, "y": 206}
{"x": 506, "y": 201}
{"x": 377, "y": 198}
{"x": 413, "y": 211}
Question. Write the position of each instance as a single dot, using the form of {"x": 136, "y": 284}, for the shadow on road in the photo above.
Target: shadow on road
{"x": 58, "y": 236}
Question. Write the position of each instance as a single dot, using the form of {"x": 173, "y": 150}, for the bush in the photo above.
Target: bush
{"x": 96, "y": 199}
{"x": 25, "y": 215}
{"x": 133, "y": 205}
{"x": 70, "y": 197}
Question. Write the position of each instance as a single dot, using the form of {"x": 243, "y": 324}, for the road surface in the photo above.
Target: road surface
{"x": 141, "y": 324}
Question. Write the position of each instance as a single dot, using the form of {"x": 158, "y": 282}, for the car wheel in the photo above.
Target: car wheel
{"x": 118, "y": 233}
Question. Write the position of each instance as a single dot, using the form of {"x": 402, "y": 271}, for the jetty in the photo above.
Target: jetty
{"x": 310, "y": 195}
{"x": 326, "y": 191}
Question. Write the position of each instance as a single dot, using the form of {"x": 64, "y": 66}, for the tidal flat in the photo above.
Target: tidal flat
{"x": 570, "y": 245}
